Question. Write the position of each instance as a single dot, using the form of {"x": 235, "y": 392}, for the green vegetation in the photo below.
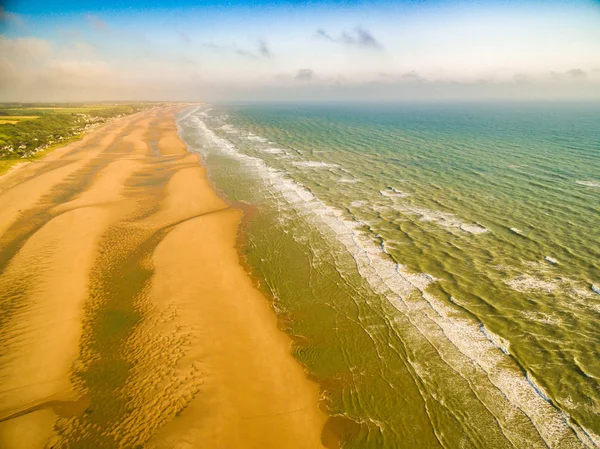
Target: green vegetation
{"x": 13, "y": 119}
{"x": 28, "y": 131}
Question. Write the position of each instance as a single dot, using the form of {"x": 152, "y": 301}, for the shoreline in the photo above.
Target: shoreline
{"x": 254, "y": 175}
{"x": 335, "y": 427}
{"x": 163, "y": 302}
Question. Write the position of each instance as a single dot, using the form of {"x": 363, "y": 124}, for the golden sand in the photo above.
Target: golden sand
{"x": 127, "y": 318}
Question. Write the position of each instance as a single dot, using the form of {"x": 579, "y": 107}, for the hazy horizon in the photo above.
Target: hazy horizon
{"x": 291, "y": 51}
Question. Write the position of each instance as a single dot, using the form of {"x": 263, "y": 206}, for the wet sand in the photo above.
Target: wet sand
{"x": 127, "y": 319}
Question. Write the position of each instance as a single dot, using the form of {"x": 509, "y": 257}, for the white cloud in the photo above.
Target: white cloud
{"x": 76, "y": 74}
{"x": 119, "y": 64}
{"x": 305, "y": 75}
{"x": 358, "y": 37}
{"x": 31, "y": 68}
{"x": 25, "y": 49}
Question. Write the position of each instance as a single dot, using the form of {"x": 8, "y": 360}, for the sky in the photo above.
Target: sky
{"x": 299, "y": 51}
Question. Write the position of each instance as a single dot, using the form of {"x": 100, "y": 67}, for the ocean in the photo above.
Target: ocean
{"x": 437, "y": 265}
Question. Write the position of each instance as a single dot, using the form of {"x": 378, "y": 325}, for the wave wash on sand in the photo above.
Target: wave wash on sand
{"x": 512, "y": 410}
{"x": 127, "y": 319}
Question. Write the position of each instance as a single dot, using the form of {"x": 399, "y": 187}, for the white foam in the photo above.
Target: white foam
{"x": 588, "y": 183}
{"x": 473, "y": 228}
{"x": 527, "y": 283}
{"x": 391, "y": 192}
{"x": 229, "y": 129}
{"x": 436, "y": 320}
{"x": 544, "y": 280}
{"x": 502, "y": 343}
{"x": 254, "y": 138}
{"x": 443, "y": 219}
{"x": 540, "y": 317}
{"x": 273, "y": 151}
{"x": 315, "y": 164}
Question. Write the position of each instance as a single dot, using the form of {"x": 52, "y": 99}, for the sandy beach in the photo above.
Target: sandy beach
{"x": 128, "y": 319}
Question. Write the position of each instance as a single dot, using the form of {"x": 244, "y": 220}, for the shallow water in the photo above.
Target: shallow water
{"x": 435, "y": 262}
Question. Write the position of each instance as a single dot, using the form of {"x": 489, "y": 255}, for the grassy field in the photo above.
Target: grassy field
{"x": 29, "y": 131}
{"x": 14, "y": 119}
{"x": 37, "y": 111}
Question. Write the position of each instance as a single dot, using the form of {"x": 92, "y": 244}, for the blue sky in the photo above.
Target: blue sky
{"x": 299, "y": 50}
{"x": 72, "y": 6}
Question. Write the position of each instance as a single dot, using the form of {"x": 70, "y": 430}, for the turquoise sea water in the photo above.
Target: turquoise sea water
{"x": 435, "y": 264}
